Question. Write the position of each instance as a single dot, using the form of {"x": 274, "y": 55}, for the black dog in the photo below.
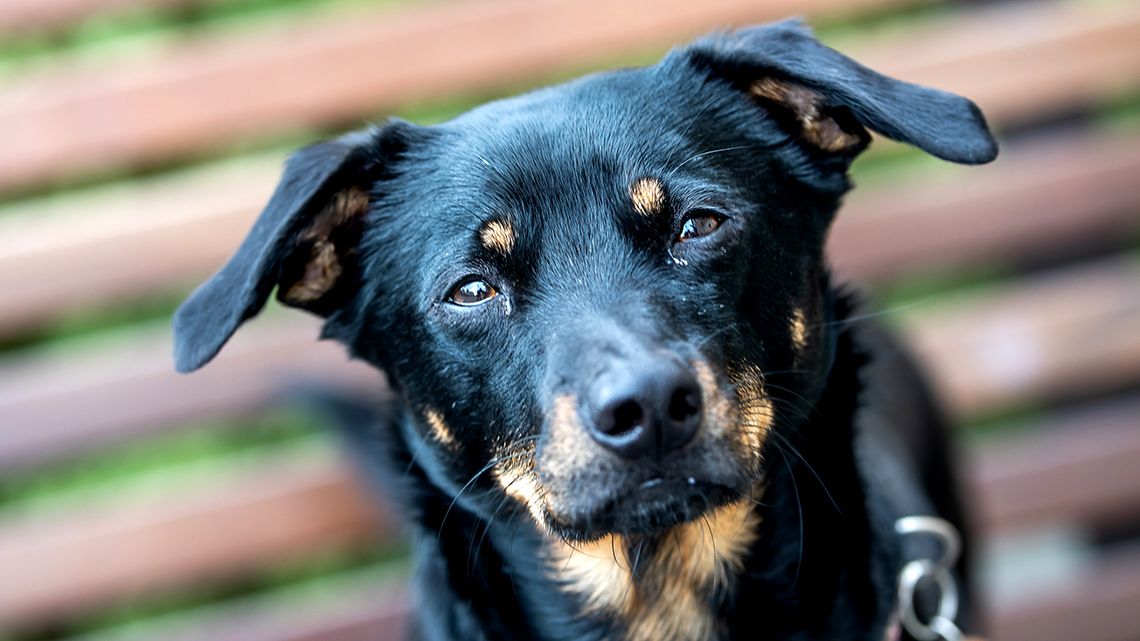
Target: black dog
{"x": 628, "y": 397}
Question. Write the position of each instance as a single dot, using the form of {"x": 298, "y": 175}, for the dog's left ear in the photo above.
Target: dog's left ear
{"x": 831, "y": 97}
{"x": 304, "y": 243}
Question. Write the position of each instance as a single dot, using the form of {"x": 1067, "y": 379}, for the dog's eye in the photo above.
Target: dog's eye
{"x": 471, "y": 291}
{"x": 699, "y": 223}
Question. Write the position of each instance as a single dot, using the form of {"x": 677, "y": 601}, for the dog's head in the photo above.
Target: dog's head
{"x": 598, "y": 299}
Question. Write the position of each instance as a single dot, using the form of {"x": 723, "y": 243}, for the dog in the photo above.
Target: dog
{"x": 628, "y": 401}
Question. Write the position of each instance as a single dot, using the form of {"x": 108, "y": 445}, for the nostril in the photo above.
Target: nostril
{"x": 684, "y": 404}
{"x": 627, "y": 416}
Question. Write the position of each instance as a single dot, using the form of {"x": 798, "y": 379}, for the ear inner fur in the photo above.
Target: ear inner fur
{"x": 818, "y": 129}
{"x": 324, "y": 265}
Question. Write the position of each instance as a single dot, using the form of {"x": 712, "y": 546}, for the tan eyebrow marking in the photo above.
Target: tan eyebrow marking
{"x": 799, "y": 329}
{"x": 648, "y": 196}
{"x": 439, "y": 427}
{"x": 499, "y": 236}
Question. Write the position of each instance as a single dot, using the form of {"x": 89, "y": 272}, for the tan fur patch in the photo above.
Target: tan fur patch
{"x": 568, "y": 447}
{"x": 749, "y": 417}
{"x": 756, "y": 410}
{"x": 799, "y": 330}
{"x": 720, "y": 414}
{"x": 819, "y": 130}
{"x": 439, "y": 428}
{"x": 498, "y": 236}
{"x": 667, "y": 599}
{"x": 648, "y": 196}
{"x": 323, "y": 267}
{"x": 516, "y": 474}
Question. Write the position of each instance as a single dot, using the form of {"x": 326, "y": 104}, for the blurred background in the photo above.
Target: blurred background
{"x": 139, "y": 138}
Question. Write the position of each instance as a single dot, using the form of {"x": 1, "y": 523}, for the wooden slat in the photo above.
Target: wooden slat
{"x": 1049, "y": 195}
{"x": 369, "y": 609}
{"x": 109, "y": 246}
{"x": 54, "y": 405}
{"x": 96, "y": 553}
{"x": 23, "y": 16}
{"x": 1068, "y": 334}
{"x": 1021, "y": 63}
{"x": 203, "y": 94}
{"x": 1101, "y": 606}
{"x": 1082, "y": 466}
{"x": 81, "y": 559}
{"x": 1072, "y": 333}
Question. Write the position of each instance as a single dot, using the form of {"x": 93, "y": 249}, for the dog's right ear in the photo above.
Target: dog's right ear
{"x": 304, "y": 243}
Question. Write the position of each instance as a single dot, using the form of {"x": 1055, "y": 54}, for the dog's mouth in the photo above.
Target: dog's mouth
{"x": 653, "y": 506}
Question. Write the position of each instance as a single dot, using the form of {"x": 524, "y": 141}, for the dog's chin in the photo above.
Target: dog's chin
{"x": 650, "y": 508}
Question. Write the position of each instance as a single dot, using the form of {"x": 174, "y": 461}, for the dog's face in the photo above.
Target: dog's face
{"x": 599, "y": 300}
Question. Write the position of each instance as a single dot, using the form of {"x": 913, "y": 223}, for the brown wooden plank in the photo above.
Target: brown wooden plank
{"x": 374, "y": 609}
{"x": 1100, "y": 606}
{"x": 1021, "y": 62}
{"x": 102, "y": 247}
{"x": 167, "y": 107}
{"x": 1082, "y": 466}
{"x": 98, "y": 554}
{"x": 214, "y": 90}
{"x": 94, "y": 553}
{"x": 54, "y": 405}
{"x": 23, "y": 16}
{"x": 1044, "y": 196}
{"x": 91, "y": 249}
{"x": 1072, "y": 333}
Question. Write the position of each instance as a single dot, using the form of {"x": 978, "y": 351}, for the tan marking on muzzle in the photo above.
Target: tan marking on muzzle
{"x": 648, "y": 196}
{"x": 720, "y": 413}
{"x": 439, "y": 428}
{"x": 498, "y": 236}
{"x": 756, "y": 410}
{"x": 515, "y": 473}
{"x": 669, "y": 598}
{"x": 568, "y": 447}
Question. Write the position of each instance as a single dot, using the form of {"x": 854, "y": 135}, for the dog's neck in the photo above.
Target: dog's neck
{"x": 799, "y": 557}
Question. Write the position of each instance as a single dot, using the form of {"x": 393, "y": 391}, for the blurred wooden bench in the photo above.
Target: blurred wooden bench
{"x": 1073, "y": 331}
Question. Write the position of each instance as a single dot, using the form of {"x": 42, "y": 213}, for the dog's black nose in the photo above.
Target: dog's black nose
{"x": 648, "y": 409}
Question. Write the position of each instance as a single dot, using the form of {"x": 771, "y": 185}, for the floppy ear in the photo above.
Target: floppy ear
{"x": 304, "y": 243}
{"x": 831, "y": 97}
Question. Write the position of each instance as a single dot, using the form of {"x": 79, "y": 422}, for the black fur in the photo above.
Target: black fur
{"x": 588, "y": 285}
